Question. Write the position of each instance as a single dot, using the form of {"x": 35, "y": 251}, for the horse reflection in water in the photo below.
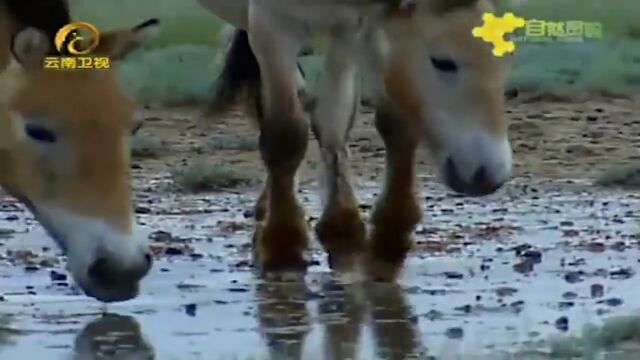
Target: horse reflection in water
{"x": 284, "y": 323}
{"x": 112, "y": 337}
{"x": 343, "y": 308}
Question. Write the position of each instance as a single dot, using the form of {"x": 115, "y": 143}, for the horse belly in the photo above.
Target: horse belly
{"x": 316, "y": 16}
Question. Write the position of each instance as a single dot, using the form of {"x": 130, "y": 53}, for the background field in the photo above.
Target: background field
{"x": 179, "y": 65}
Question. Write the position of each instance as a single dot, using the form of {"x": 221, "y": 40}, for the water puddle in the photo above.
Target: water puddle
{"x": 514, "y": 275}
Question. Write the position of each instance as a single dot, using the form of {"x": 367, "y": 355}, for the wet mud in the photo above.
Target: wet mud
{"x": 510, "y": 276}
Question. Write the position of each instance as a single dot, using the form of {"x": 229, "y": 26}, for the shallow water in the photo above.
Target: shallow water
{"x": 495, "y": 277}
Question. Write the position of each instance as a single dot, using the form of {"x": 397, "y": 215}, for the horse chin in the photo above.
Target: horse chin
{"x": 42, "y": 220}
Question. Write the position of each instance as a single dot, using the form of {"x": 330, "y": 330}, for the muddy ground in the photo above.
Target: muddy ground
{"x": 498, "y": 277}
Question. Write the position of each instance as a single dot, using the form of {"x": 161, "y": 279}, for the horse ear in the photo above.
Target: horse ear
{"x": 29, "y": 47}
{"x": 118, "y": 44}
{"x": 445, "y": 6}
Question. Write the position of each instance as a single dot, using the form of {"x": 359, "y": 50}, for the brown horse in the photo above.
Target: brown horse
{"x": 435, "y": 82}
{"x": 63, "y": 147}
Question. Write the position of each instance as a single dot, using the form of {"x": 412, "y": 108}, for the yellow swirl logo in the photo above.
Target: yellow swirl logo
{"x": 69, "y": 38}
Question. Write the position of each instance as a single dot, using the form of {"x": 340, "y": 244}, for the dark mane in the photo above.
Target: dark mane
{"x": 46, "y": 15}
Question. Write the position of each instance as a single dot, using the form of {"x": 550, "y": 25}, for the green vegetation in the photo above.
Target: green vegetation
{"x": 203, "y": 177}
{"x": 239, "y": 143}
{"x": 146, "y": 147}
{"x": 180, "y": 64}
{"x": 622, "y": 176}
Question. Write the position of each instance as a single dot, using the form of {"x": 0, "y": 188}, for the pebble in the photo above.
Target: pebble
{"x": 562, "y": 323}
{"x": 621, "y": 274}
{"x": 173, "y": 251}
{"x": 611, "y": 302}
{"x": 190, "y": 309}
{"x": 506, "y": 291}
{"x": 56, "y": 276}
{"x": 453, "y": 275}
{"x": 534, "y": 255}
{"x": 573, "y": 277}
{"x": 433, "y": 315}
{"x": 455, "y": 333}
{"x": 597, "y": 291}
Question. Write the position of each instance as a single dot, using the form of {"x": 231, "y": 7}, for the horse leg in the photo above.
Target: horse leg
{"x": 395, "y": 335}
{"x": 283, "y": 318}
{"x": 340, "y": 229}
{"x": 282, "y": 239}
{"x": 397, "y": 211}
{"x": 345, "y": 302}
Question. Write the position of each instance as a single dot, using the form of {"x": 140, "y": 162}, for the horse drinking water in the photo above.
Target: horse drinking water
{"x": 63, "y": 148}
{"x": 435, "y": 83}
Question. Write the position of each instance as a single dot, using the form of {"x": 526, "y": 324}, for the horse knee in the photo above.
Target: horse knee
{"x": 394, "y": 129}
{"x": 283, "y": 144}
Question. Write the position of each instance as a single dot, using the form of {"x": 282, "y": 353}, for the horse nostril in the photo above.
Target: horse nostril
{"x": 452, "y": 178}
{"x": 148, "y": 263}
{"x": 149, "y": 259}
{"x": 100, "y": 273}
{"x": 480, "y": 177}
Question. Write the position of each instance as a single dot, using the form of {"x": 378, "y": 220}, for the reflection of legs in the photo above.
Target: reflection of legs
{"x": 280, "y": 241}
{"x": 342, "y": 313}
{"x": 395, "y": 334}
{"x": 283, "y": 317}
{"x": 396, "y": 212}
{"x": 340, "y": 229}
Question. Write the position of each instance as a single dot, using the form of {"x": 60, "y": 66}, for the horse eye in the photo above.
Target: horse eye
{"x": 40, "y": 134}
{"x": 444, "y": 65}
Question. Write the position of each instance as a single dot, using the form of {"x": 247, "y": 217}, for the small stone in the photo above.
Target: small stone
{"x": 237, "y": 290}
{"x": 597, "y": 291}
{"x": 453, "y": 275}
{"x": 563, "y": 305}
{"x": 433, "y": 315}
{"x": 6, "y": 233}
{"x": 573, "y": 277}
{"x": 533, "y": 255}
{"x": 611, "y": 302}
{"x": 248, "y": 213}
{"x": 524, "y": 267}
{"x": 31, "y": 268}
{"x": 190, "y": 309}
{"x": 142, "y": 210}
{"x": 577, "y": 262}
{"x": 579, "y": 150}
{"x": 455, "y": 333}
{"x": 596, "y": 246}
{"x": 621, "y": 274}
{"x": 56, "y": 276}
{"x": 465, "y": 309}
{"x": 505, "y": 291}
{"x": 562, "y": 323}
{"x": 173, "y": 251}
{"x": 161, "y": 236}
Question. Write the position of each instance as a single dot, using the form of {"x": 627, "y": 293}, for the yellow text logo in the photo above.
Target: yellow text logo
{"x": 75, "y": 41}
{"x": 495, "y": 28}
{"x": 69, "y": 39}
{"x": 76, "y": 62}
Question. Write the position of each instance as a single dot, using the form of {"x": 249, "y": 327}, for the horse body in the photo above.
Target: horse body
{"x": 63, "y": 148}
{"x": 436, "y": 83}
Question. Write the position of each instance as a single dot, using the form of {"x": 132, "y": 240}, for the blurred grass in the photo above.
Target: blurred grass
{"x": 180, "y": 64}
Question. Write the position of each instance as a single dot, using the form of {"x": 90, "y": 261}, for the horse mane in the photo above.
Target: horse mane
{"x": 45, "y": 15}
